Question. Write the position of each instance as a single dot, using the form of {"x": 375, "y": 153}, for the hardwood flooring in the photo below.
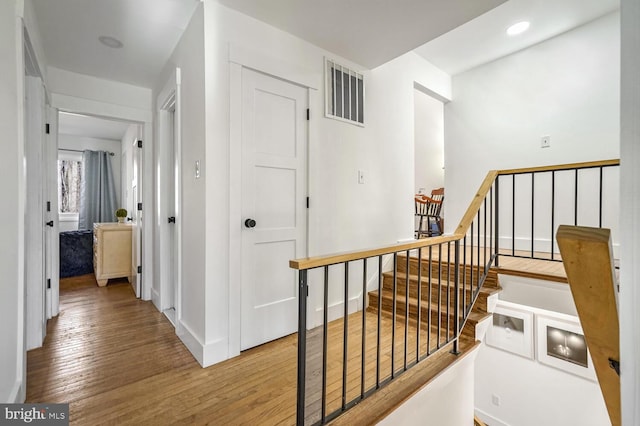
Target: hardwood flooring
{"x": 117, "y": 360}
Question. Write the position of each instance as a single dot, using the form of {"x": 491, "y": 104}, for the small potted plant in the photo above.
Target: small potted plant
{"x": 121, "y": 214}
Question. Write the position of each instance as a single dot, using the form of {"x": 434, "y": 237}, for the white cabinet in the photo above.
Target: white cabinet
{"x": 111, "y": 251}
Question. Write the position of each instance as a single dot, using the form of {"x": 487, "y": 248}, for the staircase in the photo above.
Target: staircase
{"x": 441, "y": 283}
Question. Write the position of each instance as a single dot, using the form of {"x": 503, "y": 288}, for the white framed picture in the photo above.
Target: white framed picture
{"x": 512, "y": 330}
{"x": 561, "y": 344}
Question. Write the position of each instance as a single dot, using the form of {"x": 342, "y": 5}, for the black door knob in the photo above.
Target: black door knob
{"x": 250, "y": 223}
{"x": 50, "y": 223}
{"x": 172, "y": 219}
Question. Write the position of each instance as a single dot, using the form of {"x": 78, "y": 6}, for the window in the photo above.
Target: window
{"x": 69, "y": 180}
{"x": 344, "y": 98}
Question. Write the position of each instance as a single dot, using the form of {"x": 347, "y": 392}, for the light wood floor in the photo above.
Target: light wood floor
{"x": 117, "y": 360}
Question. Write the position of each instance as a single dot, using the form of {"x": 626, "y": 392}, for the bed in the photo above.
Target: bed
{"x": 76, "y": 253}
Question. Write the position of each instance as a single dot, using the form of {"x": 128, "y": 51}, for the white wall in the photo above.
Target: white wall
{"x": 429, "y": 142}
{"x": 189, "y": 56}
{"x": 531, "y": 393}
{"x": 630, "y": 194}
{"x": 337, "y": 151}
{"x": 95, "y": 144}
{"x": 446, "y": 401}
{"x": 566, "y": 87}
{"x": 12, "y": 220}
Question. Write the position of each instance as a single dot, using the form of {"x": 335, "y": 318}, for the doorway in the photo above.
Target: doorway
{"x": 76, "y": 134}
{"x": 428, "y": 143}
{"x": 273, "y": 210}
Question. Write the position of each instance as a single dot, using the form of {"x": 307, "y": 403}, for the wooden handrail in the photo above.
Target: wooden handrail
{"x": 461, "y": 230}
{"x": 584, "y": 165}
{"x": 588, "y": 260}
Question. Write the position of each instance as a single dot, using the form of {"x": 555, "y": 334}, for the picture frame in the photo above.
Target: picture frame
{"x": 512, "y": 330}
{"x": 561, "y": 344}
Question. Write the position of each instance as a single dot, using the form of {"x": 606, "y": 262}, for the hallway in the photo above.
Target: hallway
{"x": 117, "y": 360}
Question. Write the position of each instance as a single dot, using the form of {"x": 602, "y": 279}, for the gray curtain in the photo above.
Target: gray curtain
{"x": 97, "y": 190}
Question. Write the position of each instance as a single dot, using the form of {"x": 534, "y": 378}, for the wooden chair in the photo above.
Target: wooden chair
{"x": 427, "y": 213}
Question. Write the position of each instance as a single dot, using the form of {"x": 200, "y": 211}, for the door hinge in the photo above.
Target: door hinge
{"x": 48, "y": 282}
{"x": 48, "y": 206}
{"x": 308, "y": 114}
{"x": 46, "y": 128}
{"x": 307, "y": 202}
{"x": 139, "y": 269}
{"x": 139, "y": 143}
{"x": 139, "y": 206}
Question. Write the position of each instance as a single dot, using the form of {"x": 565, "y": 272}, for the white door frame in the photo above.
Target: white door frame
{"x": 144, "y": 118}
{"x": 169, "y": 98}
{"x": 282, "y": 69}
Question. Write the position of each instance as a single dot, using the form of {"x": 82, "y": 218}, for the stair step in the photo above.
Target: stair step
{"x": 387, "y": 306}
{"x": 401, "y": 279}
{"x": 444, "y": 267}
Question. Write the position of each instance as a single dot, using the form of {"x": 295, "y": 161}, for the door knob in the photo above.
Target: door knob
{"x": 250, "y": 223}
{"x": 50, "y": 223}
{"x": 172, "y": 219}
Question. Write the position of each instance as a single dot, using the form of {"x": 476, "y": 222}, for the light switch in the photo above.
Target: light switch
{"x": 360, "y": 176}
{"x": 197, "y": 169}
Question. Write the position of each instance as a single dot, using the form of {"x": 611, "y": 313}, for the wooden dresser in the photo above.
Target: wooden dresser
{"x": 111, "y": 251}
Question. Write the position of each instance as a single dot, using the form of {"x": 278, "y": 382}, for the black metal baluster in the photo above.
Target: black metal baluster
{"x": 490, "y": 228}
{"x": 513, "y": 215}
{"x": 575, "y": 200}
{"x": 448, "y": 288}
{"x": 325, "y": 335}
{"x": 393, "y": 315}
{"x": 429, "y": 300}
{"x": 379, "y": 322}
{"x": 418, "y": 326}
{"x": 471, "y": 268}
{"x": 364, "y": 327}
{"x": 600, "y": 201}
{"x": 406, "y": 311}
{"x": 497, "y": 229}
{"x": 533, "y": 188}
{"x": 464, "y": 274}
{"x": 484, "y": 232}
{"x": 439, "y": 292}
{"x": 345, "y": 336}
{"x": 553, "y": 211}
{"x": 456, "y": 309}
{"x": 302, "y": 345}
{"x": 478, "y": 248}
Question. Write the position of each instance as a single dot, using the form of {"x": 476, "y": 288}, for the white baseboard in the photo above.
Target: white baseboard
{"x": 206, "y": 354}
{"x": 336, "y": 310}
{"x": 155, "y": 299}
{"x": 489, "y": 419}
{"x": 16, "y": 394}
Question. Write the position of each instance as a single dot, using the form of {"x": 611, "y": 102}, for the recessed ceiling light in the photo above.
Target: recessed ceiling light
{"x": 110, "y": 42}
{"x": 518, "y": 28}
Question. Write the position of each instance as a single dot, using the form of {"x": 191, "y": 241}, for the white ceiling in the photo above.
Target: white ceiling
{"x": 367, "y": 32}
{"x": 149, "y": 30}
{"x": 484, "y": 38}
{"x": 83, "y": 125}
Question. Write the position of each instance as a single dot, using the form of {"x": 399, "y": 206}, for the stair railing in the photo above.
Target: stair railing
{"x": 346, "y": 354}
{"x": 334, "y": 374}
{"x": 535, "y": 200}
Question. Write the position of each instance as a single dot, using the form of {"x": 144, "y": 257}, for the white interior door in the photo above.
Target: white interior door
{"x": 136, "y": 218}
{"x": 171, "y": 219}
{"x": 274, "y": 157}
{"x": 35, "y": 217}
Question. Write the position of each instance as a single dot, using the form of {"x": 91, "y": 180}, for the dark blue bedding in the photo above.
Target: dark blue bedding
{"x": 76, "y": 253}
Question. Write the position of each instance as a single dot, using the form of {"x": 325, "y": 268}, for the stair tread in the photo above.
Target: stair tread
{"x": 474, "y": 315}
{"x": 402, "y": 276}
